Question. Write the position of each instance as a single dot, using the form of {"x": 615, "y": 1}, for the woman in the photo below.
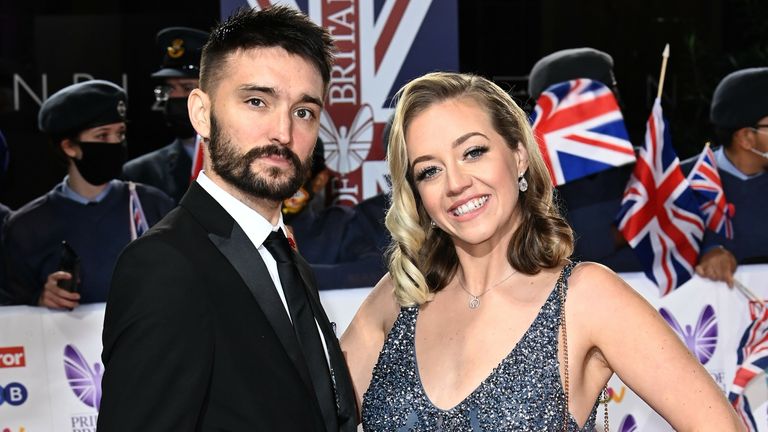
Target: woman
{"x": 478, "y": 278}
{"x": 90, "y": 210}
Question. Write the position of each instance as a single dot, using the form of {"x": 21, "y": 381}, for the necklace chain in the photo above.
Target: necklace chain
{"x": 474, "y": 300}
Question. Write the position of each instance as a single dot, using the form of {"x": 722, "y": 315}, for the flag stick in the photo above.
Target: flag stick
{"x": 664, "y": 58}
{"x": 748, "y": 293}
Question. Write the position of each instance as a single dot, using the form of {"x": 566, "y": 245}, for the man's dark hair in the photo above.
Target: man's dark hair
{"x": 277, "y": 26}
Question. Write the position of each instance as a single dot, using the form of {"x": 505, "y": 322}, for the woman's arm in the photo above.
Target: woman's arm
{"x": 641, "y": 348}
{"x": 364, "y": 338}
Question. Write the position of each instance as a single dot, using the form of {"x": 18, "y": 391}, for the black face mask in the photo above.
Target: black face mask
{"x": 101, "y": 162}
{"x": 177, "y": 118}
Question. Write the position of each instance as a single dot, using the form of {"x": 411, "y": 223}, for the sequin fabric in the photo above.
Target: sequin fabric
{"x": 523, "y": 393}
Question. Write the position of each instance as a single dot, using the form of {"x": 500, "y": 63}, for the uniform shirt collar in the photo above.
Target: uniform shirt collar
{"x": 726, "y": 165}
{"x": 255, "y": 226}
{"x": 70, "y": 193}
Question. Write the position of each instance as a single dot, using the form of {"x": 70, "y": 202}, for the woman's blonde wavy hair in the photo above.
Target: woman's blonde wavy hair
{"x": 422, "y": 261}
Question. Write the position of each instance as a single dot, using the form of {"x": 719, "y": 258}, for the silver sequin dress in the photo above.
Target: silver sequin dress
{"x": 523, "y": 393}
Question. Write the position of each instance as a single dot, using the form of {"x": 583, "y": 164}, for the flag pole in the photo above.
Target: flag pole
{"x": 664, "y": 58}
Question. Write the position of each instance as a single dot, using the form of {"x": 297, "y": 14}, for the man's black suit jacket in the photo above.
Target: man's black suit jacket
{"x": 196, "y": 337}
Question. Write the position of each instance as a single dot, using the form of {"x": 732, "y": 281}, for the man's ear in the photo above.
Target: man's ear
{"x": 199, "y": 107}
{"x": 743, "y": 138}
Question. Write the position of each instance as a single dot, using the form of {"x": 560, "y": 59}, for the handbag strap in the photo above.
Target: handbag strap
{"x": 561, "y": 283}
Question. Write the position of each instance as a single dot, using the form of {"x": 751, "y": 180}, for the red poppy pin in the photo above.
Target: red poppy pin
{"x": 292, "y": 243}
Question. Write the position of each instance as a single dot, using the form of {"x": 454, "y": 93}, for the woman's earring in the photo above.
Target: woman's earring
{"x": 522, "y": 184}
{"x": 434, "y": 225}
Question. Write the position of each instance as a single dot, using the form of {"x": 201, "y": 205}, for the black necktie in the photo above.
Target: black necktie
{"x": 304, "y": 325}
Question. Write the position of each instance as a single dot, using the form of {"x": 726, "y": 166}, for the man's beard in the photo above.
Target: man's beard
{"x": 272, "y": 183}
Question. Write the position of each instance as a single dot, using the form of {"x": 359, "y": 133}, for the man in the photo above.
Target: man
{"x": 93, "y": 212}
{"x": 590, "y": 203}
{"x": 213, "y": 323}
{"x": 169, "y": 168}
{"x": 739, "y": 113}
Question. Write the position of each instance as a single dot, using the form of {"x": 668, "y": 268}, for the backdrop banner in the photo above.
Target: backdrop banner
{"x": 50, "y": 366}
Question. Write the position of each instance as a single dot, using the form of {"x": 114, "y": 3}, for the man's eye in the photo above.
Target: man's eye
{"x": 304, "y": 113}
{"x": 255, "y": 102}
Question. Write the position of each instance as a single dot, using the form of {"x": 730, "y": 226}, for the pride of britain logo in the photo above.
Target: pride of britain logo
{"x": 628, "y": 424}
{"x": 700, "y": 340}
{"x": 347, "y": 149}
{"x": 84, "y": 380}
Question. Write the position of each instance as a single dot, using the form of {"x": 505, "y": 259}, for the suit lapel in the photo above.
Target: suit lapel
{"x": 230, "y": 239}
{"x": 342, "y": 383}
{"x": 248, "y": 263}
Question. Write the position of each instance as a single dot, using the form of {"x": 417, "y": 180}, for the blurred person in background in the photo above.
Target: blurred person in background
{"x": 91, "y": 211}
{"x": 590, "y": 203}
{"x": 739, "y": 114}
{"x": 170, "y": 168}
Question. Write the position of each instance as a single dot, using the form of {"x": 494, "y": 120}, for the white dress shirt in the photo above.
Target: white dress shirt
{"x": 257, "y": 229}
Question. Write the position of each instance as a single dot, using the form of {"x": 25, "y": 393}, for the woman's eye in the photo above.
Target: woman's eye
{"x": 426, "y": 173}
{"x": 475, "y": 152}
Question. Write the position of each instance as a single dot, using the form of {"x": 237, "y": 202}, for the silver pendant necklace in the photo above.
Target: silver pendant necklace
{"x": 474, "y": 300}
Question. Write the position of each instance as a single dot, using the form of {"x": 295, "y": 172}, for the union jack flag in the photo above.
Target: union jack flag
{"x": 580, "y": 130}
{"x": 139, "y": 223}
{"x": 752, "y": 360}
{"x": 705, "y": 182}
{"x": 659, "y": 214}
{"x": 743, "y": 411}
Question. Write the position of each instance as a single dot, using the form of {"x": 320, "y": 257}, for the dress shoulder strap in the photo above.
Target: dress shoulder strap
{"x": 565, "y": 273}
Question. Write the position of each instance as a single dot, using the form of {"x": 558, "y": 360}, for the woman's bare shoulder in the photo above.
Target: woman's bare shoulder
{"x": 590, "y": 278}
{"x": 596, "y": 290}
{"x": 380, "y": 309}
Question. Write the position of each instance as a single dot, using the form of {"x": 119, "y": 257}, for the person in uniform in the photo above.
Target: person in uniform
{"x": 739, "y": 113}
{"x": 344, "y": 245}
{"x": 170, "y": 168}
{"x": 590, "y": 203}
{"x": 93, "y": 212}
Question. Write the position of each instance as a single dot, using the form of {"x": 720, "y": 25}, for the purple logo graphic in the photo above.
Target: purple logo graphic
{"x": 628, "y": 424}
{"x": 701, "y": 340}
{"x": 84, "y": 381}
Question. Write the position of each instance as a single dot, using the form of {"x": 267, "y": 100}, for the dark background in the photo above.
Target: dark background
{"x": 499, "y": 39}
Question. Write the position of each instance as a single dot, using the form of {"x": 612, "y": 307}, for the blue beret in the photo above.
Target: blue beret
{"x": 570, "y": 64}
{"x": 82, "y": 106}
{"x": 741, "y": 99}
{"x": 181, "y": 48}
